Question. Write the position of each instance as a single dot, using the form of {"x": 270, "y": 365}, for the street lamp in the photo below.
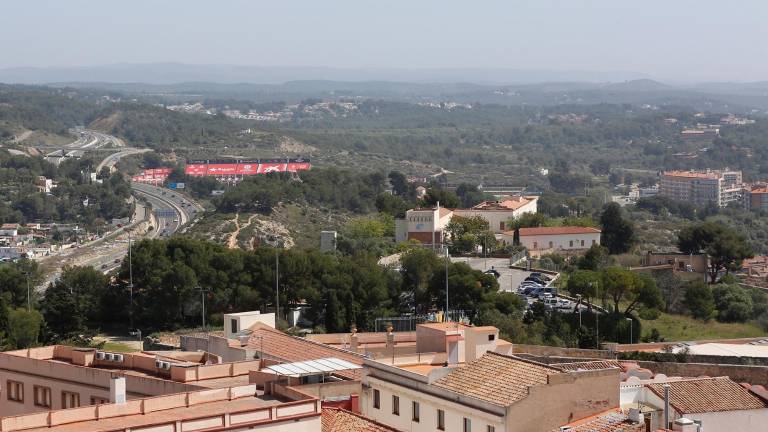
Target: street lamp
{"x": 447, "y": 258}
{"x": 631, "y": 322}
{"x": 130, "y": 280}
{"x": 202, "y": 297}
{"x": 29, "y": 301}
{"x": 277, "y": 282}
{"x": 578, "y": 306}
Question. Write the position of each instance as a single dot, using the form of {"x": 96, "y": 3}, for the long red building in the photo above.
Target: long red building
{"x": 243, "y": 167}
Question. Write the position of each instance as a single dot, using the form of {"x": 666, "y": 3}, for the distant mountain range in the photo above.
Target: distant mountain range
{"x": 170, "y": 73}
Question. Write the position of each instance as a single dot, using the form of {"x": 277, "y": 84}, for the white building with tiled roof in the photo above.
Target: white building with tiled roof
{"x": 495, "y": 392}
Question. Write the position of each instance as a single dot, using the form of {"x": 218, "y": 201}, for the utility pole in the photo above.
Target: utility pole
{"x": 29, "y": 301}
{"x": 447, "y": 258}
{"x": 130, "y": 280}
{"x": 277, "y": 282}
{"x": 203, "y": 291}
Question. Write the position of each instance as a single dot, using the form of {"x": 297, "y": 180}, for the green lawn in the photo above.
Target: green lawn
{"x": 117, "y": 347}
{"x": 684, "y": 328}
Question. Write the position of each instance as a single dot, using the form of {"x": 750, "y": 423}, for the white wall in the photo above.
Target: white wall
{"x": 245, "y": 320}
{"x": 428, "y": 406}
{"x": 558, "y": 241}
{"x": 733, "y": 421}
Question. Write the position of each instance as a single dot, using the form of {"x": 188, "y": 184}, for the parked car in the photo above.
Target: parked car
{"x": 493, "y": 272}
{"x": 550, "y": 303}
{"x": 540, "y": 276}
{"x": 563, "y": 303}
{"x": 537, "y": 280}
{"x": 548, "y": 291}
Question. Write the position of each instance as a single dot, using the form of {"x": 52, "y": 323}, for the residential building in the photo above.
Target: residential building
{"x": 678, "y": 261}
{"x": 717, "y": 404}
{"x": 756, "y": 197}
{"x": 700, "y": 133}
{"x": 499, "y": 213}
{"x": 68, "y": 389}
{"x": 493, "y": 392}
{"x": 701, "y": 188}
{"x": 426, "y": 225}
{"x": 552, "y": 239}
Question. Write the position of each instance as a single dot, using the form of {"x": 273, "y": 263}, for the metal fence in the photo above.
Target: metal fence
{"x": 409, "y": 322}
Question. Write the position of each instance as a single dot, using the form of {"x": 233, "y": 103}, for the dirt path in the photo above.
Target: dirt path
{"x": 232, "y": 241}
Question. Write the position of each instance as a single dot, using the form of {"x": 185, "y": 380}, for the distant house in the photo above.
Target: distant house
{"x": 553, "y": 239}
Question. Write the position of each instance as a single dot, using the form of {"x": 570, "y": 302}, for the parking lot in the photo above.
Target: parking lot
{"x": 509, "y": 280}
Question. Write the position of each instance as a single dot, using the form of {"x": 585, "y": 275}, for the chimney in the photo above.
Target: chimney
{"x": 243, "y": 339}
{"x": 390, "y": 337}
{"x": 685, "y": 425}
{"x": 117, "y": 390}
{"x": 666, "y": 405}
{"x": 353, "y": 340}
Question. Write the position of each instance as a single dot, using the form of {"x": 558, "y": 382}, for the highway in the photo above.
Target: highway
{"x": 166, "y": 211}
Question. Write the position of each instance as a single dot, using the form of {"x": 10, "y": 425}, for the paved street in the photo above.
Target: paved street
{"x": 510, "y": 278}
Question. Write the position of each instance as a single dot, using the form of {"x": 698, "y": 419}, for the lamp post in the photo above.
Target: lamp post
{"x": 447, "y": 258}
{"x": 130, "y": 280}
{"x": 578, "y": 306}
{"x": 29, "y": 301}
{"x": 202, "y": 297}
{"x": 277, "y": 282}
{"x": 631, "y": 322}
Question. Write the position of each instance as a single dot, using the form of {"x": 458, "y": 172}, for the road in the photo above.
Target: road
{"x": 111, "y": 160}
{"x": 167, "y": 212}
{"x": 88, "y": 140}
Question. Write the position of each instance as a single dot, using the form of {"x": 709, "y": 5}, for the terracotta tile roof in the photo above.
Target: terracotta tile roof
{"x": 339, "y": 420}
{"x": 509, "y": 203}
{"x": 588, "y": 365}
{"x": 557, "y": 230}
{"x": 609, "y": 421}
{"x": 496, "y": 378}
{"x": 286, "y": 348}
{"x": 691, "y": 174}
{"x": 703, "y": 395}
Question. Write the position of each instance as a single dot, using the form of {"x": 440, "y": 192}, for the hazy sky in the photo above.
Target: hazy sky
{"x": 683, "y": 40}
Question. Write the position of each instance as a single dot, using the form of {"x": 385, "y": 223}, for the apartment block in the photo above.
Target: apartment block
{"x": 703, "y": 187}
{"x": 68, "y": 389}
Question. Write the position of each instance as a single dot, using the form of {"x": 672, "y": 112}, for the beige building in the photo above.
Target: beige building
{"x": 61, "y": 388}
{"x": 496, "y": 392}
{"x": 553, "y": 239}
{"x": 428, "y": 225}
{"x": 702, "y": 187}
{"x": 499, "y": 213}
{"x": 717, "y": 404}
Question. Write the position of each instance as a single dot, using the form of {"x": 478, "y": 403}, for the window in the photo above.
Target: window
{"x": 535, "y": 245}
{"x": 491, "y": 337}
{"x": 70, "y": 399}
{"x": 15, "y": 391}
{"x": 491, "y": 428}
{"x": 441, "y": 419}
{"x": 467, "y": 425}
{"x": 593, "y": 242}
{"x": 502, "y": 226}
{"x": 233, "y": 324}
{"x": 570, "y": 243}
{"x": 582, "y": 243}
{"x": 376, "y": 399}
{"x": 415, "y": 411}
{"x": 395, "y": 405}
{"x": 42, "y": 396}
{"x": 95, "y": 400}
{"x": 551, "y": 245}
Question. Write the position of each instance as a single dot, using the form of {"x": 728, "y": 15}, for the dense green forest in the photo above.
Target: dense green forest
{"x": 75, "y": 198}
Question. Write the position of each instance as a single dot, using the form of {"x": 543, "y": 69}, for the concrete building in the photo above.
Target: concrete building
{"x": 67, "y": 389}
{"x": 717, "y": 404}
{"x": 552, "y": 239}
{"x": 677, "y": 261}
{"x": 499, "y": 213}
{"x": 756, "y": 197}
{"x": 426, "y": 225}
{"x": 493, "y": 392}
{"x": 701, "y": 188}
{"x": 327, "y": 241}
{"x": 235, "y": 323}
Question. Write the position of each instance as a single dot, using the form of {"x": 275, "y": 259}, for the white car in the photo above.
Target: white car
{"x": 563, "y": 303}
